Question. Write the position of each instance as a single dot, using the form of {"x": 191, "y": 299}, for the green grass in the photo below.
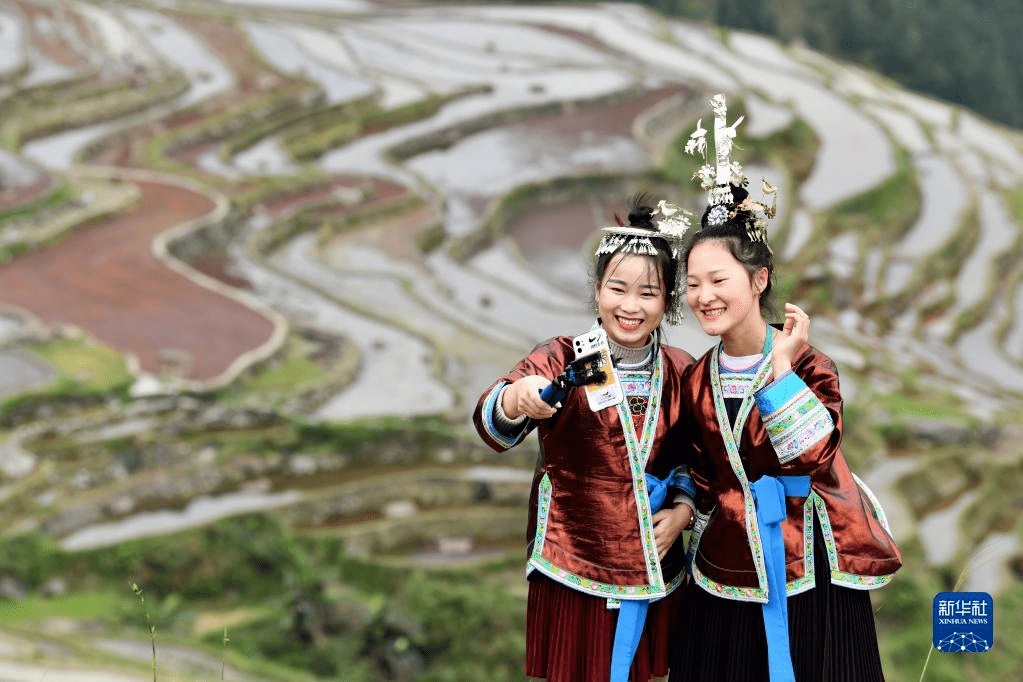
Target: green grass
{"x": 92, "y": 368}
{"x": 949, "y": 474}
{"x": 86, "y": 374}
{"x": 999, "y": 499}
{"x": 292, "y": 373}
{"x": 233, "y": 127}
{"x": 320, "y": 611}
{"x": 61, "y": 194}
{"x": 430, "y": 238}
{"x": 1010, "y": 283}
{"x": 74, "y": 605}
{"x": 48, "y": 119}
{"x": 793, "y": 149}
{"x": 905, "y": 641}
{"x": 1003, "y": 280}
{"x": 932, "y": 406}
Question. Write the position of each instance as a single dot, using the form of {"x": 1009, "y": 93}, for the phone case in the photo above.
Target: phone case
{"x": 608, "y": 393}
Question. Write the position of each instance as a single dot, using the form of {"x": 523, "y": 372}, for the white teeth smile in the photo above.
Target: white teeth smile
{"x": 625, "y": 323}
{"x": 713, "y": 313}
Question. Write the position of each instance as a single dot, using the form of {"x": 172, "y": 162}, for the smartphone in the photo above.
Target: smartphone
{"x": 609, "y": 392}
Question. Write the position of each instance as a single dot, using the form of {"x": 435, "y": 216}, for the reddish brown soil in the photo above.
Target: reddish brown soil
{"x": 568, "y": 224}
{"x": 607, "y": 119}
{"x": 54, "y": 46}
{"x": 281, "y": 203}
{"x": 584, "y": 38}
{"x": 380, "y": 192}
{"x": 216, "y": 264}
{"x": 223, "y": 37}
{"x": 559, "y": 227}
{"x": 104, "y": 279}
{"x": 396, "y": 236}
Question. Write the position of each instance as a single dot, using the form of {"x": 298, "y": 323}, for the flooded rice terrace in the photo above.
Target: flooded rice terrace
{"x": 424, "y": 186}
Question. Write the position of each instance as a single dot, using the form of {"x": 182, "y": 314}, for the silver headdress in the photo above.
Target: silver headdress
{"x": 670, "y": 223}
{"x": 719, "y": 178}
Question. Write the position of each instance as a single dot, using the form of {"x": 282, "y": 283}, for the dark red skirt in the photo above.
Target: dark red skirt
{"x": 569, "y": 635}
{"x": 832, "y": 637}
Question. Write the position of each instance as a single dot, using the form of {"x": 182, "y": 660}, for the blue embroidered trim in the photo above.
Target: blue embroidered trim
{"x": 680, "y": 478}
{"x": 795, "y": 419}
{"x": 772, "y": 397}
{"x": 487, "y": 412}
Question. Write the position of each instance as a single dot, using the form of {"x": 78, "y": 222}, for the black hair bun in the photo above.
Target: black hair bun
{"x": 640, "y": 214}
{"x": 739, "y": 194}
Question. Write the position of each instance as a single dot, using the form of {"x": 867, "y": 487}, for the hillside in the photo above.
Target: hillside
{"x": 260, "y": 258}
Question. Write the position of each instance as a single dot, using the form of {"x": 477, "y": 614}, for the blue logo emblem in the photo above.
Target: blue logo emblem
{"x": 963, "y": 622}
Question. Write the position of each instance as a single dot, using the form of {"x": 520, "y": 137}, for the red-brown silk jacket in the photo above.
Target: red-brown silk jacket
{"x": 586, "y": 529}
{"x": 726, "y": 546}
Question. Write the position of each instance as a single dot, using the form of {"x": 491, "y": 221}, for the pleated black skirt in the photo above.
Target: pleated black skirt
{"x": 832, "y": 637}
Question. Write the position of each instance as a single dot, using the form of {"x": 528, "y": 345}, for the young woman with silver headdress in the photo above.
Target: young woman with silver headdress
{"x": 787, "y": 539}
{"x": 604, "y": 559}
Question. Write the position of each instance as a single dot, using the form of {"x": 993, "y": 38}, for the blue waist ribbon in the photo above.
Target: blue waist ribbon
{"x": 632, "y": 612}
{"x": 769, "y": 494}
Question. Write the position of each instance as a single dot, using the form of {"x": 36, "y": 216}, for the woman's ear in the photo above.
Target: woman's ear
{"x": 760, "y": 278}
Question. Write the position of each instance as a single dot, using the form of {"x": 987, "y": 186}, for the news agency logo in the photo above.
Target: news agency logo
{"x": 963, "y": 622}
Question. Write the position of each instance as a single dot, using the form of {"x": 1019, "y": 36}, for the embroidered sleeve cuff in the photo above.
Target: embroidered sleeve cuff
{"x": 794, "y": 417}
{"x": 511, "y": 432}
{"x": 681, "y": 480}
{"x": 502, "y": 421}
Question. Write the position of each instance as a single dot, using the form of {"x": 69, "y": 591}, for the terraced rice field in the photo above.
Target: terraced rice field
{"x": 424, "y": 183}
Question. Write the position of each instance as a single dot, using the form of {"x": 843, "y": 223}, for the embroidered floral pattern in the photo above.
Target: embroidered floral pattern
{"x": 734, "y": 385}
{"x": 639, "y": 451}
{"x": 798, "y": 425}
{"x": 729, "y": 591}
{"x": 635, "y": 383}
{"x": 543, "y": 508}
{"x": 594, "y": 587}
{"x": 807, "y": 581}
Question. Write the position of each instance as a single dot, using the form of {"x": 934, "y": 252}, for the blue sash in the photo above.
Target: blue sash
{"x": 769, "y": 494}
{"x": 632, "y": 612}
